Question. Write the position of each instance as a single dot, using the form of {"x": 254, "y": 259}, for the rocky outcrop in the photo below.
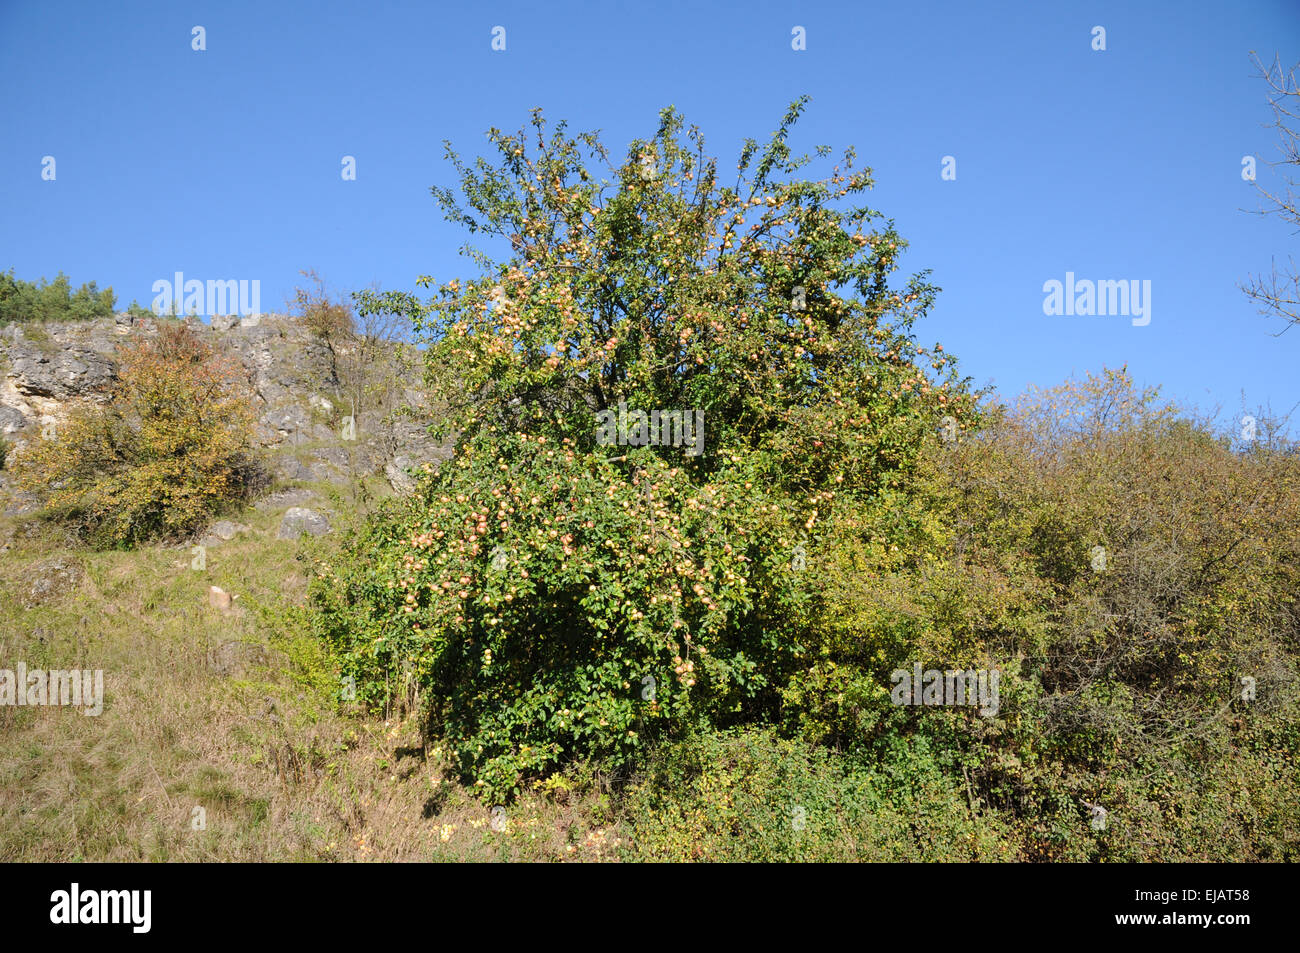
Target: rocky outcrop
{"x": 299, "y": 520}
{"x": 303, "y": 421}
{"x": 77, "y": 371}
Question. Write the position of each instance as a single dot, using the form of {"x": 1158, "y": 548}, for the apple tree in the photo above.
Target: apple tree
{"x": 565, "y": 588}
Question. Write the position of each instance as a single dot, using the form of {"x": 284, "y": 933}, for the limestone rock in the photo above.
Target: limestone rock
{"x": 73, "y": 371}
{"x": 294, "y": 497}
{"x": 52, "y": 577}
{"x": 225, "y": 529}
{"x": 218, "y": 598}
{"x": 11, "y": 419}
{"x": 298, "y": 520}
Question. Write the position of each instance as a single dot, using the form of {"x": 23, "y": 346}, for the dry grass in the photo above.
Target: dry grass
{"x": 280, "y": 771}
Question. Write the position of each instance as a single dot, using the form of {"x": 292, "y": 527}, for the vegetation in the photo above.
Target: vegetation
{"x": 26, "y": 301}
{"x": 170, "y": 448}
{"x": 570, "y": 647}
{"x": 1278, "y": 292}
{"x": 282, "y": 771}
{"x": 543, "y": 582}
{"x": 547, "y": 599}
{"x": 367, "y": 353}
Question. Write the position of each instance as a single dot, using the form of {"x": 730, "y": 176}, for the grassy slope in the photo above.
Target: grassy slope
{"x": 281, "y": 770}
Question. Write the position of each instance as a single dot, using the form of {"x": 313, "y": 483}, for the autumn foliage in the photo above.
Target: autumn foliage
{"x": 170, "y": 447}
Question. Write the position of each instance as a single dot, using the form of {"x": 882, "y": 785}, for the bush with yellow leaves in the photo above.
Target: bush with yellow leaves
{"x": 171, "y": 447}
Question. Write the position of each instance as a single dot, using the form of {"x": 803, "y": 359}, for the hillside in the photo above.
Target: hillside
{"x": 232, "y": 711}
{"x": 49, "y": 367}
{"x": 714, "y": 558}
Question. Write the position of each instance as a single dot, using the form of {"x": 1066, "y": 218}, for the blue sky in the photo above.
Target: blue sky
{"x": 1122, "y": 164}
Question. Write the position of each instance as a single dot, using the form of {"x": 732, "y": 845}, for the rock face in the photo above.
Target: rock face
{"x": 298, "y": 520}
{"x": 280, "y": 498}
{"x": 395, "y": 470}
{"x": 11, "y": 420}
{"x": 303, "y": 420}
{"x": 77, "y": 371}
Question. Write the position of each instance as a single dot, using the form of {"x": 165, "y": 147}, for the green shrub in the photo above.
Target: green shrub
{"x": 753, "y": 797}
{"x": 549, "y": 598}
{"x": 553, "y": 596}
{"x": 1122, "y": 679}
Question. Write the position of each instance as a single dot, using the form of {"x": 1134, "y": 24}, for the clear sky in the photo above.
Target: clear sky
{"x": 1115, "y": 164}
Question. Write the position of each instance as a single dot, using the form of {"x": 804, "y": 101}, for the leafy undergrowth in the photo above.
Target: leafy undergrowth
{"x": 267, "y": 763}
{"x": 284, "y": 770}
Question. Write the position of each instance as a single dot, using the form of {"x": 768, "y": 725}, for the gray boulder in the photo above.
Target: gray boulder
{"x": 222, "y": 531}
{"x": 11, "y": 419}
{"x": 298, "y": 520}
{"x": 291, "y": 468}
{"x": 227, "y": 530}
{"x": 50, "y": 578}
